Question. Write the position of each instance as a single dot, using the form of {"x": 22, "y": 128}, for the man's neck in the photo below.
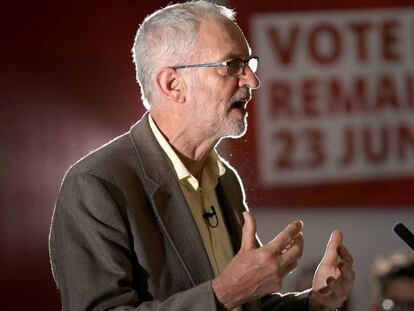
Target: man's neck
{"x": 189, "y": 147}
{"x": 194, "y": 166}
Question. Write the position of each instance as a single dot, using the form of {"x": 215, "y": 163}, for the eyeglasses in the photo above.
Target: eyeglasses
{"x": 235, "y": 67}
{"x": 388, "y": 304}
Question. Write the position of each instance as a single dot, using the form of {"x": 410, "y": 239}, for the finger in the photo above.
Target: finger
{"x": 248, "y": 240}
{"x": 325, "y": 291}
{"x": 331, "y": 253}
{"x": 324, "y": 298}
{"x": 292, "y": 253}
{"x": 335, "y": 287}
{"x": 347, "y": 273}
{"x": 292, "y": 267}
{"x": 345, "y": 255}
{"x": 280, "y": 243}
{"x": 339, "y": 293}
{"x": 288, "y": 260}
{"x": 345, "y": 265}
{"x": 328, "y": 298}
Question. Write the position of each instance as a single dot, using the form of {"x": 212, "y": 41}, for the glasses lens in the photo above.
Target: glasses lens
{"x": 236, "y": 67}
{"x": 253, "y": 63}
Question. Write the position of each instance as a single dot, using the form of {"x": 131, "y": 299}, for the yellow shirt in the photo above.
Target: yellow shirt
{"x": 200, "y": 197}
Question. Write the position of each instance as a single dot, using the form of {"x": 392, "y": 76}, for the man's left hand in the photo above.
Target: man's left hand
{"x": 334, "y": 277}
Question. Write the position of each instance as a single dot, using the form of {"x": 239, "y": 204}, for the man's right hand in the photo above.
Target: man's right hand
{"x": 255, "y": 272}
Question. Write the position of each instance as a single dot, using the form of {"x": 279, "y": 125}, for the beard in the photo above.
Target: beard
{"x": 230, "y": 123}
{"x": 238, "y": 103}
{"x": 239, "y": 129}
{"x": 219, "y": 119}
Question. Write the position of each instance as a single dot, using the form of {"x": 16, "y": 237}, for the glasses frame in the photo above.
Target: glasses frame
{"x": 225, "y": 63}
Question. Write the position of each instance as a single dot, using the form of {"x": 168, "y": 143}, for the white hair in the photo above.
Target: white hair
{"x": 168, "y": 37}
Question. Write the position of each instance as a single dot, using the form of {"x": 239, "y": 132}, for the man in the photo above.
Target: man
{"x": 156, "y": 220}
{"x": 393, "y": 283}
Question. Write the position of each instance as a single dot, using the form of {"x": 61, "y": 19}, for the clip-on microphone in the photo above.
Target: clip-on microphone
{"x": 213, "y": 214}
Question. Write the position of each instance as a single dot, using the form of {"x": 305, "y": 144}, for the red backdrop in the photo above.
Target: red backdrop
{"x": 67, "y": 86}
{"x": 389, "y": 189}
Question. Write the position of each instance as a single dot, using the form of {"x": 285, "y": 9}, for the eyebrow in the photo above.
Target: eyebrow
{"x": 236, "y": 56}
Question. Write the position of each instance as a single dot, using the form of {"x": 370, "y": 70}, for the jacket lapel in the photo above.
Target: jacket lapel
{"x": 232, "y": 207}
{"x": 231, "y": 211}
{"x": 169, "y": 205}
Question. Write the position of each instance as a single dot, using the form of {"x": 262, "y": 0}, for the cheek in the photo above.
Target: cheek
{"x": 202, "y": 87}
{"x": 224, "y": 93}
{"x": 214, "y": 90}
{"x": 222, "y": 71}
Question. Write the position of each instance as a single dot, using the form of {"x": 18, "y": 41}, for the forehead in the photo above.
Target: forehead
{"x": 222, "y": 40}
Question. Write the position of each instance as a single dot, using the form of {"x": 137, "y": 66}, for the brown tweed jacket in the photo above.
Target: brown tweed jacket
{"x": 123, "y": 237}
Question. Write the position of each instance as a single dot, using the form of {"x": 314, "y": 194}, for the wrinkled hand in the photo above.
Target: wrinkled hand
{"x": 255, "y": 272}
{"x": 334, "y": 277}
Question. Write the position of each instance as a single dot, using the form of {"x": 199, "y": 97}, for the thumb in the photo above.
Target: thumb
{"x": 331, "y": 253}
{"x": 248, "y": 240}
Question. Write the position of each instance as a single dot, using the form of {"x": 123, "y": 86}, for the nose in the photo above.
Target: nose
{"x": 249, "y": 78}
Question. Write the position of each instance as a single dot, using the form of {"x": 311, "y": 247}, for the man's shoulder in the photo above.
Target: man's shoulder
{"x": 115, "y": 157}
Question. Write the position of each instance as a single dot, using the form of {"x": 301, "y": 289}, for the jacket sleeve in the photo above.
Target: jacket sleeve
{"x": 92, "y": 258}
{"x": 286, "y": 302}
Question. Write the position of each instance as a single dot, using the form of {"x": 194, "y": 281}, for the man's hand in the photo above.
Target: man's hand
{"x": 334, "y": 277}
{"x": 255, "y": 272}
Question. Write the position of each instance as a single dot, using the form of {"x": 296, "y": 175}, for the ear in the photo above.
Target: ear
{"x": 170, "y": 84}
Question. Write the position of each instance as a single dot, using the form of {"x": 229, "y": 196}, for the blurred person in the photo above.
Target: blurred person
{"x": 392, "y": 282}
{"x": 156, "y": 219}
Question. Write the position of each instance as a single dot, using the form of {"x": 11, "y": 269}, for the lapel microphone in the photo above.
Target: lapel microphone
{"x": 207, "y": 216}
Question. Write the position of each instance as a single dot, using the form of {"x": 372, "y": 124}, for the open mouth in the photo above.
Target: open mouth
{"x": 239, "y": 104}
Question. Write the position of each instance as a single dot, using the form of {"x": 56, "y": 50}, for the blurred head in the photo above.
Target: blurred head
{"x": 393, "y": 283}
